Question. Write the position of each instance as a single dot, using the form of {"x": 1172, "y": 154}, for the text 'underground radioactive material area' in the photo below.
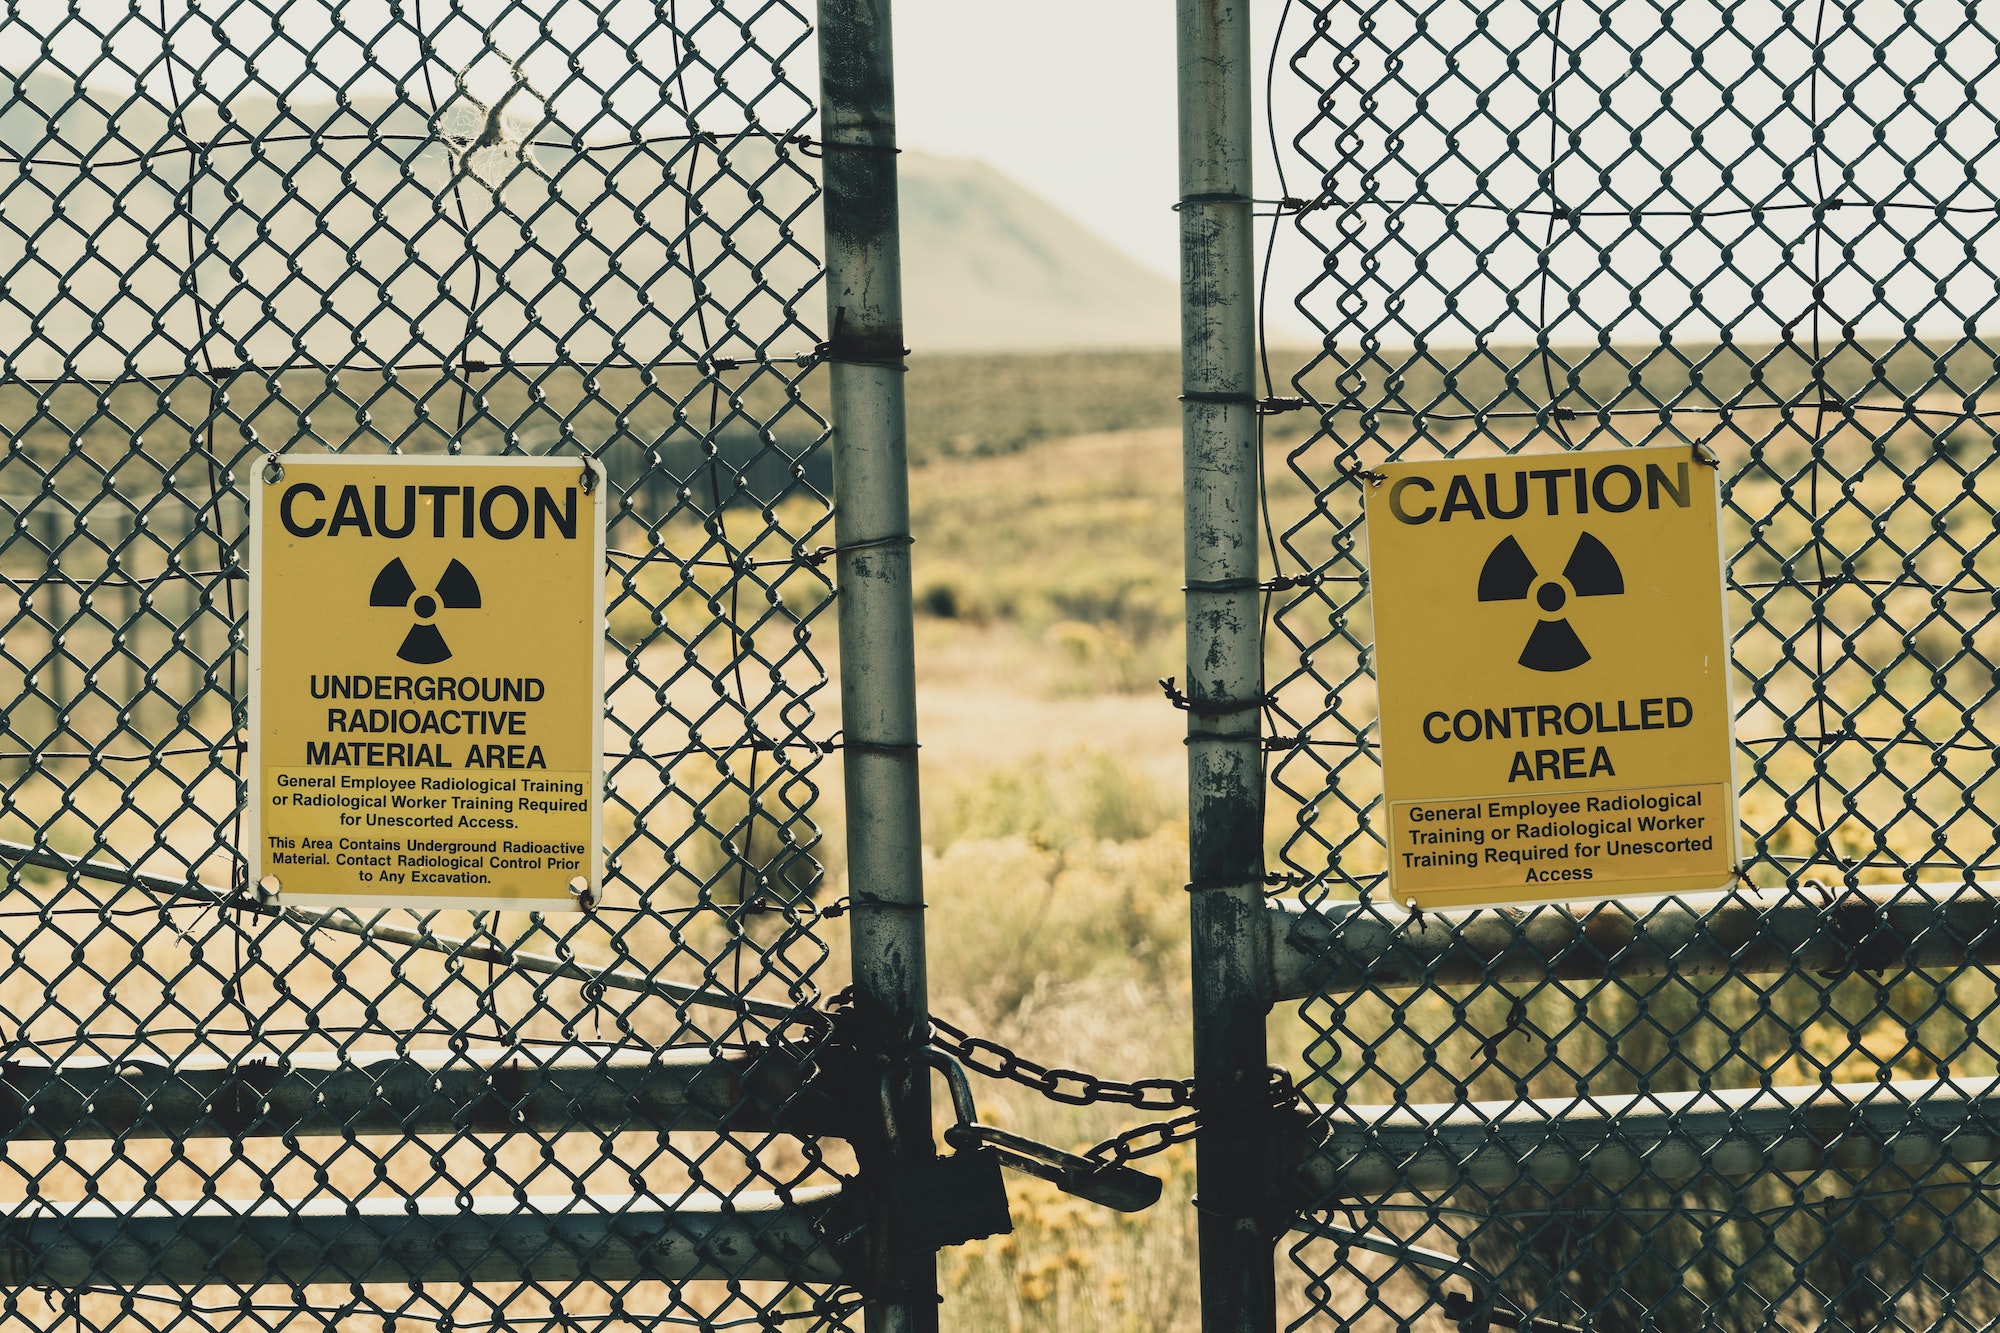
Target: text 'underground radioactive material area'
{"x": 427, "y": 681}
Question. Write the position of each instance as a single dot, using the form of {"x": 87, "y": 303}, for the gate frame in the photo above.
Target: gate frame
{"x": 766, "y": 1236}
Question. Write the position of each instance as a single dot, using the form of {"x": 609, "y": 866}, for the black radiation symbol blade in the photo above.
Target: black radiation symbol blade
{"x": 1554, "y": 647}
{"x": 458, "y": 589}
{"x": 1507, "y": 574}
{"x": 393, "y": 586}
{"x": 1592, "y": 569}
{"x": 423, "y": 645}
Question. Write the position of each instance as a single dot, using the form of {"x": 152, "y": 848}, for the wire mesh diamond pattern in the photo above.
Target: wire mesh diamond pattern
{"x": 232, "y": 233}
{"x": 1763, "y": 232}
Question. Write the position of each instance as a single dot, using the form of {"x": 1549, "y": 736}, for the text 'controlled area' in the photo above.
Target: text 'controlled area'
{"x": 1554, "y": 694}
{"x": 475, "y": 779}
{"x": 1559, "y": 722}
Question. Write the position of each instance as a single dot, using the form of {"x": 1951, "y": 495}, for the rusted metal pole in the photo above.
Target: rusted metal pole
{"x": 878, "y": 687}
{"x": 1236, "y": 1168}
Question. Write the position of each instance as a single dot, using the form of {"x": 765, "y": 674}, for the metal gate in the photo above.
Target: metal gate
{"x": 229, "y": 232}
{"x": 593, "y": 228}
{"x": 1763, "y": 232}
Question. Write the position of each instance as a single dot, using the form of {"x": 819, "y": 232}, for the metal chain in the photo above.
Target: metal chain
{"x": 1160, "y": 1135}
{"x": 1145, "y": 1140}
{"x": 1076, "y": 1088}
{"x": 1069, "y": 1086}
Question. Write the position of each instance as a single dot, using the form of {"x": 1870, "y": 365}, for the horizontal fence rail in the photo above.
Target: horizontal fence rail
{"x": 490, "y": 1091}
{"x": 752, "y": 1237}
{"x": 1342, "y": 948}
{"x": 1668, "y": 1138}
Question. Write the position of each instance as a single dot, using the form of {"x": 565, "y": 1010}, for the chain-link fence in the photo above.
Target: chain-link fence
{"x": 1765, "y": 232}
{"x": 592, "y": 229}
{"x": 232, "y": 231}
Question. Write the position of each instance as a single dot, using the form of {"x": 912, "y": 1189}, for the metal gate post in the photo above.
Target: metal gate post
{"x": 1235, "y": 1161}
{"x": 877, "y": 639}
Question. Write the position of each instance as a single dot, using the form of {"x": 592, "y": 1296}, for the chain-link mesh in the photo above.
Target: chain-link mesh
{"x": 430, "y": 226}
{"x": 1764, "y": 231}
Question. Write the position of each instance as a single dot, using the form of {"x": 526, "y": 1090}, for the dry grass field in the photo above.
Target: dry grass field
{"x": 1048, "y": 587}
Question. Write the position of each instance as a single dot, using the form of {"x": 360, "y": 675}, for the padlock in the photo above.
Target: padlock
{"x": 952, "y": 1199}
{"x": 1105, "y": 1183}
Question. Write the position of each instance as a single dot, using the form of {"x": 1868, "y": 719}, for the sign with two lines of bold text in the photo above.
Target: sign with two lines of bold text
{"x": 427, "y": 681}
{"x": 1554, "y": 677}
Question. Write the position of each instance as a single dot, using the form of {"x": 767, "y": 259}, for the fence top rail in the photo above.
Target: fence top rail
{"x": 1344, "y": 948}
{"x": 1635, "y": 1117}
{"x": 1608, "y": 1141}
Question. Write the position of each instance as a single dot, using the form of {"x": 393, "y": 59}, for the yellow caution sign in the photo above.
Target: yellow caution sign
{"x": 427, "y": 681}
{"x": 1554, "y": 677}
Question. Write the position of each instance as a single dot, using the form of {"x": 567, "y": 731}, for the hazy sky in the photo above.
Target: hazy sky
{"x": 1708, "y": 127}
{"x": 1660, "y": 105}
{"x": 1075, "y": 100}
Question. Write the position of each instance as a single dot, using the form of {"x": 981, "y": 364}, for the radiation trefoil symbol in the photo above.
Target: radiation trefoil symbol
{"x": 1509, "y": 576}
{"x": 456, "y": 590}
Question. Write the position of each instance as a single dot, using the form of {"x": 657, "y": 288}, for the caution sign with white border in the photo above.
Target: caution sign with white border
{"x": 1553, "y": 668}
{"x": 427, "y": 681}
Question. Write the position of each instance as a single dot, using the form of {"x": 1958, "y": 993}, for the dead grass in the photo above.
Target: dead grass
{"x": 1047, "y": 580}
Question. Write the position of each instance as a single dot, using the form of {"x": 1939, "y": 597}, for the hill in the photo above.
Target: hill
{"x": 989, "y": 266}
{"x": 342, "y": 240}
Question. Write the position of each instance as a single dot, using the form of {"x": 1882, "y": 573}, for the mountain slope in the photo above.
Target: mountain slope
{"x": 331, "y": 247}
{"x": 990, "y": 266}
